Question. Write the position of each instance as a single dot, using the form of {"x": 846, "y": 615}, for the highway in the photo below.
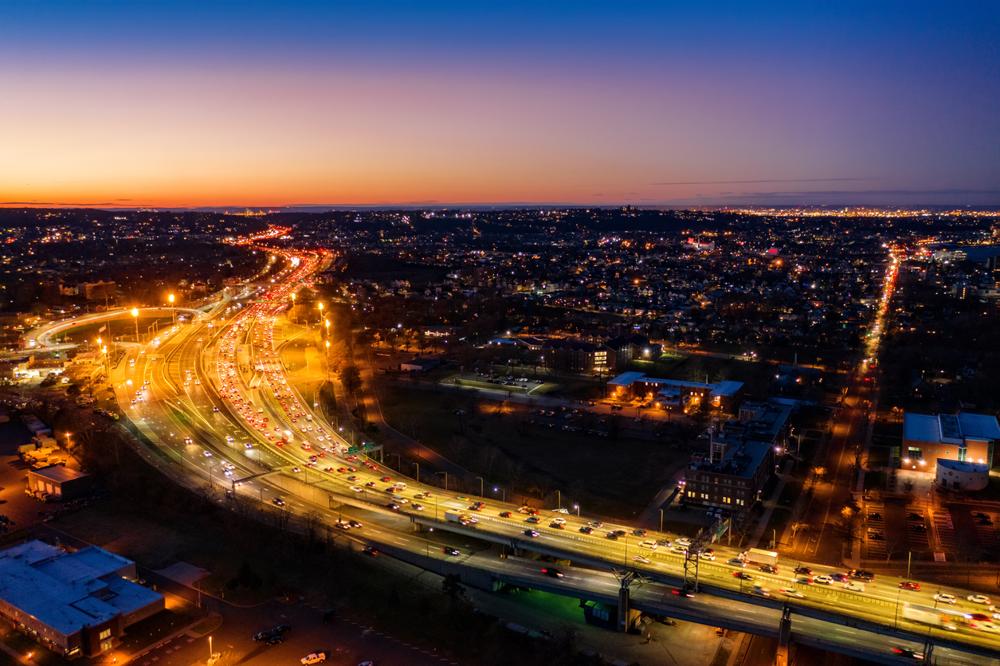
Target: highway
{"x": 213, "y": 398}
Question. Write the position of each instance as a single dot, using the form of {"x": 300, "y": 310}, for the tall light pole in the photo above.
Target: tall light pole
{"x": 503, "y": 493}
{"x": 577, "y": 507}
{"x": 326, "y": 325}
{"x": 135, "y": 318}
{"x": 173, "y": 315}
{"x": 320, "y": 306}
{"x": 417, "y": 465}
{"x": 329, "y": 370}
{"x": 482, "y": 493}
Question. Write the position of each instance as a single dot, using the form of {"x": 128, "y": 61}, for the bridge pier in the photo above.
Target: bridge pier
{"x": 784, "y": 637}
{"x": 627, "y": 617}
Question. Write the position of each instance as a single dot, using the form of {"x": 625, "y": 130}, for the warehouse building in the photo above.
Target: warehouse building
{"x": 74, "y": 603}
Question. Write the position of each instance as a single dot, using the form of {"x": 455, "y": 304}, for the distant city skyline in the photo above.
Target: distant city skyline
{"x": 187, "y": 104}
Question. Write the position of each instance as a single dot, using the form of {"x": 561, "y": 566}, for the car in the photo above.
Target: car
{"x": 392, "y": 506}
{"x": 945, "y": 598}
{"x": 530, "y": 533}
{"x": 686, "y": 590}
{"x": 355, "y": 524}
{"x": 416, "y": 506}
{"x": 909, "y": 585}
{"x": 448, "y": 550}
{"x": 552, "y": 572}
{"x": 206, "y": 453}
{"x": 648, "y": 543}
{"x": 559, "y": 519}
{"x": 611, "y": 535}
{"x": 742, "y": 575}
{"x": 823, "y": 579}
{"x": 792, "y": 592}
{"x": 586, "y": 529}
{"x": 357, "y": 489}
{"x": 707, "y": 554}
{"x": 760, "y": 590}
{"x": 840, "y": 577}
{"x": 679, "y": 549}
{"x": 768, "y": 568}
{"x": 908, "y": 653}
{"x": 595, "y": 524}
{"x": 862, "y": 574}
{"x": 371, "y": 551}
{"x": 854, "y": 586}
{"x": 313, "y": 658}
{"x": 639, "y": 532}
{"x": 504, "y": 514}
{"x": 736, "y": 562}
{"x": 805, "y": 571}
{"x": 978, "y": 599}
{"x": 557, "y": 526}
{"x": 277, "y": 501}
{"x": 683, "y": 542}
{"x": 640, "y": 559}
{"x": 534, "y": 520}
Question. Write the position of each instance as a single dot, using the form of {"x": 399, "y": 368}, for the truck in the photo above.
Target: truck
{"x": 759, "y": 556}
{"x": 454, "y": 517}
{"x": 935, "y": 617}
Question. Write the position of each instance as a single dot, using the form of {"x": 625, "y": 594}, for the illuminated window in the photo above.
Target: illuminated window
{"x": 727, "y": 500}
{"x": 105, "y": 634}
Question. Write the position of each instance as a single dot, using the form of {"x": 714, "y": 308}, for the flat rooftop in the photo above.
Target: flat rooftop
{"x": 69, "y": 591}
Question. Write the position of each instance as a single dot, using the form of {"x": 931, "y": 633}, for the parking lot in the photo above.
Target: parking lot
{"x": 893, "y": 527}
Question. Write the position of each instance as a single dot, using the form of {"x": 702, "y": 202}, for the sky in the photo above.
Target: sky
{"x": 266, "y": 104}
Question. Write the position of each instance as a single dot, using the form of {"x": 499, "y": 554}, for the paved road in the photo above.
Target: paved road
{"x": 200, "y": 393}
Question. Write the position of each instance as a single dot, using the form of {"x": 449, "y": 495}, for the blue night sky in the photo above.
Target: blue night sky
{"x": 261, "y": 103}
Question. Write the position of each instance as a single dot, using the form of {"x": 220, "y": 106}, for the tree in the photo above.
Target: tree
{"x": 350, "y": 377}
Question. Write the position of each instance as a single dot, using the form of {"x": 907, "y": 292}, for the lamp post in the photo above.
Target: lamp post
{"x": 326, "y": 325}
{"x": 481, "y": 492}
{"x": 417, "y": 465}
{"x": 577, "y": 507}
{"x": 135, "y": 318}
{"x": 320, "y": 306}
{"x": 503, "y": 493}
{"x": 173, "y": 315}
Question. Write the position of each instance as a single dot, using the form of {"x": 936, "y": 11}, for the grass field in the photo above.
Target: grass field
{"x": 611, "y": 476}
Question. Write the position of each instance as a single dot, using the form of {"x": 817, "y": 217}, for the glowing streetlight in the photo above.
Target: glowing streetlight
{"x": 326, "y": 325}
{"x": 135, "y": 317}
{"x": 173, "y": 315}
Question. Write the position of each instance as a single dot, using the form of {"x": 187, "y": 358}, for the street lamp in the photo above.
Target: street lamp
{"x": 173, "y": 315}
{"x": 577, "y": 507}
{"x": 502, "y": 491}
{"x": 481, "y": 492}
{"x": 320, "y": 306}
{"x": 326, "y": 325}
{"x": 135, "y": 317}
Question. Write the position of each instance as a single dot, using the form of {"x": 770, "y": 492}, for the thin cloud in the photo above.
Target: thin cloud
{"x": 759, "y": 181}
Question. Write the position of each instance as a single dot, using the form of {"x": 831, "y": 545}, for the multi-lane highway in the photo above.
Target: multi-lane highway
{"x": 214, "y": 399}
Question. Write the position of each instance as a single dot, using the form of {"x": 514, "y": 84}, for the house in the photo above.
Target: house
{"x": 965, "y": 437}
